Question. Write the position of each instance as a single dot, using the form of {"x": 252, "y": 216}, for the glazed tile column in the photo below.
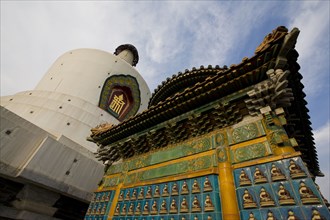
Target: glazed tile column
{"x": 228, "y": 197}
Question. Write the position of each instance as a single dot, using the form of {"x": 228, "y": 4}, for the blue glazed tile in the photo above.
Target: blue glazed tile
{"x": 177, "y": 202}
{"x": 313, "y": 193}
{"x": 212, "y": 216}
{"x": 196, "y": 216}
{"x": 154, "y": 210}
{"x": 270, "y": 212}
{"x": 240, "y": 193}
{"x": 299, "y": 164}
{"x": 284, "y": 188}
{"x": 166, "y": 202}
{"x": 263, "y": 172}
{"x": 186, "y": 182}
{"x": 292, "y": 211}
{"x": 173, "y": 217}
{"x": 141, "y": 191}
{"x": 265, "y": 191}
{"x": 187, "y": 203}
{"x": 276, "y": 171}
{"x": 238, "y": 173}
{"x": 207, "y": 205}
{"x": 247, "y": 214}
{"x": 316, "y": 210}
{"x": 165, "y": 190}
{"x": 211, "y": 179}
{"x": 196, "y": 185}
{"x": 171, "y": 185}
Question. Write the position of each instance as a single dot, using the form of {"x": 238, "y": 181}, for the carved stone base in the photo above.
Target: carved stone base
{"x": 196, "y": 209}
{"x": 310, "y": 201}
{"x": 278, "y": 178}
{"x": 287, "y": 202}
{"x": 153, "y": 212}
{"x": 164, "y": 211}
{"x": 184, "y": 210}
{"x": 174, "y": 211}
{"x": 209, "y": 209}
{"x": 297, "y": 175}
{"x": 250, "y": 205}
{"x": 261, "y": 180}
{"x": 245, "y": 183}
{"x": 267, "y": 203}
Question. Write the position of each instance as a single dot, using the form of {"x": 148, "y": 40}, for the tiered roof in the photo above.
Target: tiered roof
{"x": 188, "y": 104}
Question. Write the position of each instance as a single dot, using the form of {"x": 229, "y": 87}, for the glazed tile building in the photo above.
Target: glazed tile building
{"x": 216, "y": 143}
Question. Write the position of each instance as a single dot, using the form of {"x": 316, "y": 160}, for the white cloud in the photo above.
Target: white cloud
{"x": 322, "y": 143}
{"x": 312, "y": 18}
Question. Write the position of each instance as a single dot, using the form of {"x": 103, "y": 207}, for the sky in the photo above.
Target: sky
{"x": 170, "y": 36}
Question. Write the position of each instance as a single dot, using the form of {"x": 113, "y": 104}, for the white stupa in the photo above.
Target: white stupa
{"x": 43, "y": 131}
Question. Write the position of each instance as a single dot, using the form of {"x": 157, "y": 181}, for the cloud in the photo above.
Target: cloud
{"x": 312, "y": 18}
{"x": 322, "y": 143}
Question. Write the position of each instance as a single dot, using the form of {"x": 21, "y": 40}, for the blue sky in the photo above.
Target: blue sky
{"x": 171, "y": 36}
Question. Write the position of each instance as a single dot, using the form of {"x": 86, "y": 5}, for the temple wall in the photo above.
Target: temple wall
{"x": 220, "y": 156}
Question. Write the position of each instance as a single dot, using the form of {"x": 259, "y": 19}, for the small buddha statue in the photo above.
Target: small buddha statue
{"x": 306, "y": 194}
{"x": 248, "y": 201}
{"x": 195, "y": 205}
{"x": 130, "y": 209}
{"x": 270, "y": 215}
{"x": 103, "y": 210}
{"x": 146, "y": 209}
{"x": 195, "y": 187}
{"x": 209, "y": 217}
{"x": 149, "y": 193}
{"x": 163, "y": 208}
{"x": 117, "y": 209}
{"x": 121, "y": 196}
{"x": 154, "y": 208}
{"x": 244, "y": 180}
{"x": 138, "y": 209}
{"x": 107, "y": 197}
{"x": 134, "y": 195}
{"x": 207, "y": 185}
{"x": 284, "y": 196}
{"x": 295, "y": 170}
{"x": 316, "y": 215}
{"x": 276, "y": 173}
{"x": 94, "y": 211}
{"x": 173, "y": 207}
{"x": 259, "y": 177}
{"x": 184, "y": 188}
{"x": 184, "y": 206}
{"x": 156, "y": 193}
{"x": 97, "y": 199}
{"x": 291, "y": 215}
{"x": 98, "y": 210}
{"x": 123, "y": 210}
{"x": 88, "y": 211}
{"x": 141, "y": 194}
{"x": 102, "y": 197}
{"x": 208, "y": 205}
{"x": 195, "y": 218}
{"x": 251, "y": 216}
{"x": 165, "y": 190}
{"x": 183, "y": 218}
{"x": 265, "y": 198}
{"x": 175, "y": 190}
{"x": 127, "y": 197}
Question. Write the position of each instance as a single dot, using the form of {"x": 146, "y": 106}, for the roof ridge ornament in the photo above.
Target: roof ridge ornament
{"x": 276, "y": 34}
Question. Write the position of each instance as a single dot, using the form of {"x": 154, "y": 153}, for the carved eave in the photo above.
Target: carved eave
{"x": 206, "y": 105}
